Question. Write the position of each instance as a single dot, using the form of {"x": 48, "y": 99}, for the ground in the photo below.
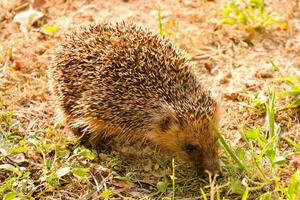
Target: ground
{"x": 39, "y": 158}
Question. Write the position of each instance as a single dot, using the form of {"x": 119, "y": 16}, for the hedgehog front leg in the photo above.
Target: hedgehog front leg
{"x": 98, "y": 140}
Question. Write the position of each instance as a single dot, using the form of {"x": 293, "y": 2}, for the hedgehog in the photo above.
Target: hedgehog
{"x": 123, "y": 81}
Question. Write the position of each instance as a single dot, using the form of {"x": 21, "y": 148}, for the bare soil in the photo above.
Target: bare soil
{"x": 233, "y": 63}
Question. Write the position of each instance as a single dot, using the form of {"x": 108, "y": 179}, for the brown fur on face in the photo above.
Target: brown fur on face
{"x": 192, "y": 141}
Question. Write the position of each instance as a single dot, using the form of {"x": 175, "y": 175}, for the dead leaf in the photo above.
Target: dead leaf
{"x": 136, "y": 194}
{"x": 17, "y": 158}
{"x": 27, "y": 18}
{"x": 122, "y": 184}
{"x": 20, "y": 65}
{"x": 296, "y": 162}
{"x": 234, "y": 96}
{"x": 38, "y": 3}
{"x": 263, "y": 73}
{"x": 224, "y": 80}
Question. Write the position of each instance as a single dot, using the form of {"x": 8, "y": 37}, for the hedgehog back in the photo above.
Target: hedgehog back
{"x": 123, "y": 74}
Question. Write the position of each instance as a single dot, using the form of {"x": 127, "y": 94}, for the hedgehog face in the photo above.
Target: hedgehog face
{"x": 193, "y": 141}
{"x": 200, "y": 147}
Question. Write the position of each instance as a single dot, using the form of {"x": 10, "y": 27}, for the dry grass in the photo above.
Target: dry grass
{"x": 40, "y": 159}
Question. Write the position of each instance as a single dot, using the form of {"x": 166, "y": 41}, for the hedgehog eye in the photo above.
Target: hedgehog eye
{"x": 190, "y": 148}
{"x": 165, "y": 124}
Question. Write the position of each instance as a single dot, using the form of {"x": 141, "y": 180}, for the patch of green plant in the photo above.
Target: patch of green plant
{"x": 294, "y": 88}
{"x": 8, "y": 125}
{"x": 257, "y": 102}
{"x": 13, "y": 186}
{"x": 106, "y": 194}
{"x": 293, "y": 91}
{"x": 292, "y": 191}
{"x": 257, "y": 166}
{"x": 253, "y": 14}
{"x": 55, "y": 168}
{"x": 54, "y": 164}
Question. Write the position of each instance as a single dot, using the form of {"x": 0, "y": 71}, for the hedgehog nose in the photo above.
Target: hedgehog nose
{"x": 214, "y": 166}
{"x": 215, "y": 169}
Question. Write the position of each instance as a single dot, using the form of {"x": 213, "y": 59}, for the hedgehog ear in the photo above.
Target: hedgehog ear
{"x": 165, "y": 123}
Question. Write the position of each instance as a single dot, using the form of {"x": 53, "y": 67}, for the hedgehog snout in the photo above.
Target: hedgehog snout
{"x": 203, "y": 159}
{"x": 211, "y": 164}
{"x": 207, "y": 161}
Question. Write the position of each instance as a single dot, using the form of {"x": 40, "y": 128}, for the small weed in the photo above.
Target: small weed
{"x": 164, "y": 28}
{"x": 8, "y": 125}
{"x": 54, "y": 164}
{"x": 106, "y": 194}
{"x": 253, "y": 14}
{"x": 52, "y": 30}
{"x": 257, "y": 102}
{"x": 293, "y": 91}
{"x": 162, "y": 186}
{"x": 292, "y": 192}
{"x": 59, "y": 165}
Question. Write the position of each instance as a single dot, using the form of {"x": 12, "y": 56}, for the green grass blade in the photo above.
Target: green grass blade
{"x": 270, "y": 108}
{"x": 246, "y": 194}
{"x": 203, "y": 194}
{"x": 160, "y": 28}
{"x": 292, "y": 143}
{"x": 226, "y": 146}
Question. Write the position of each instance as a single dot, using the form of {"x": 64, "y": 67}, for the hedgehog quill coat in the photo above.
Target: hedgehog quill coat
{"x": 124, "y": 81}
